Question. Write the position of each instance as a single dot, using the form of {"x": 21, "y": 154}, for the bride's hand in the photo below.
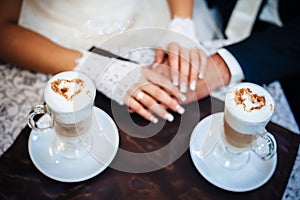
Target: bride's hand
{"x": 187, "y": 66}
{"x": 145, "y": 91}
{"x": 154, "y": 95}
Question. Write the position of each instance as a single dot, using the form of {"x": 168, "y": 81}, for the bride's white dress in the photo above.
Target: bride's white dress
{"x": 82, "y": 24}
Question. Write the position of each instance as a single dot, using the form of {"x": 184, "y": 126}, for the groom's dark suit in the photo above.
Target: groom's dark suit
{"x": 271, "y": 52}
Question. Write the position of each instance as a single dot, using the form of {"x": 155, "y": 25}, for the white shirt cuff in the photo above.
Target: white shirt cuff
{"x": 235, "y": 68}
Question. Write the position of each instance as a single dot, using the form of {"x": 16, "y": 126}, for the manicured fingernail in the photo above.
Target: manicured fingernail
{"x": 154, "y": 65}
{"x": 175, "y": 81}
{"x": 154, "y": 120}
{"x": 180, "y": 109}
{"x": 183, "y": 87}
{"x": 169, "y": 117}
{"x": 182, "y": 98}
{"x": 201, "y": 76}
{"x": 193, "y": 85}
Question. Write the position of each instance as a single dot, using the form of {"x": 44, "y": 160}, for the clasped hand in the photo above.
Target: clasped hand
{"x": 173, "y": 77}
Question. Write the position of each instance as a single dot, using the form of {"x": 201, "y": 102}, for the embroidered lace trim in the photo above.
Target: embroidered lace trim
{"x": 112, "y": 77}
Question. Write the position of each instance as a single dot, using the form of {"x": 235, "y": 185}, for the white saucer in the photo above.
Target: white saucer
{"x": 104, "y": 148}
{"x": 254, "y": 175}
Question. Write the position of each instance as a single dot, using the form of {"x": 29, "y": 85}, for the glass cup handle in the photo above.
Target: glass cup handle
{"x": 34, "y": 121}
{"x": 264, "y": 146}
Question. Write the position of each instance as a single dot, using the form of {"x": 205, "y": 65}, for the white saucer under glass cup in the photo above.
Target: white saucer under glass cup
{"x": 248, "y": 109}
{"x": 67, "y": 112}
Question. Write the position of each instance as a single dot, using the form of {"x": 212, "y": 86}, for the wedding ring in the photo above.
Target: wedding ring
{"x": 140, "y": 96}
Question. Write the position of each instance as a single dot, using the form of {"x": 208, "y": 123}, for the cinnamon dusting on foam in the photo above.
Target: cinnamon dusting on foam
{"x": 257, "y": 101}
{"x": 61, "y": 87}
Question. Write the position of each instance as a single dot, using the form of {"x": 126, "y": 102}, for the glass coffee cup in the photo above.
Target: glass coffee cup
{"x": 248, "y": 109}
{"x": 69, "y": 100}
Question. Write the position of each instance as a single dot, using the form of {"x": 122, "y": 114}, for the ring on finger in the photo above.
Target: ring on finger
{"x": 140, "y": 95}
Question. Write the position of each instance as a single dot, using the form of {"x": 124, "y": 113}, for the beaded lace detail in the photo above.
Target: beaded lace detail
{"x": 118, "y": 79}
{"x": 112, "y": 77}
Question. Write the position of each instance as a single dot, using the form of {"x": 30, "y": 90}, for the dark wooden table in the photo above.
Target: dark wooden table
{"x": 20, "y": 179}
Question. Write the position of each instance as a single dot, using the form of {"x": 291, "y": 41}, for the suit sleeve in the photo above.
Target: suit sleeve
{"x": 270, "y": 55}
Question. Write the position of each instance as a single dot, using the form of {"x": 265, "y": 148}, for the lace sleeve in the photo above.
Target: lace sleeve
{"x": 112, "y": 77}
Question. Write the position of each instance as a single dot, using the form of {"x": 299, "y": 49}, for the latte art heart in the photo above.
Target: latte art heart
{"x": 68, "y": 88}
{"x": 249, "y": 100}
{"x": 248, "y": 107}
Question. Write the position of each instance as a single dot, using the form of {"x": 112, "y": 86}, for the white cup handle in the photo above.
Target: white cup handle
{"x": 36, "y": 113}
{"x": 264, "y": 146}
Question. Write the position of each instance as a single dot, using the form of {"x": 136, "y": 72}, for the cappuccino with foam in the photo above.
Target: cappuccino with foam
{"x": 248, "y": 108}
{"x": 69, "y": 100}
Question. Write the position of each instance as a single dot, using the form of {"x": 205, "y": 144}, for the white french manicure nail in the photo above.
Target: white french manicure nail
{"x": 183, "y": 87}
{"x": 201, "y": 76}
{"x": 154, "y": 65}
{"x": 154, "y": 120}
{"x": 175, "y": 81}
{"x": 180, "y": 109}
{"x": 169, "y": 117}
{"x": 182, "y": 98}
{"x": 193, "y": 85}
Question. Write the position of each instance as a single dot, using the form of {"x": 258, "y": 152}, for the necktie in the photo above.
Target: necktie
{"x": 242, "y": 19}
